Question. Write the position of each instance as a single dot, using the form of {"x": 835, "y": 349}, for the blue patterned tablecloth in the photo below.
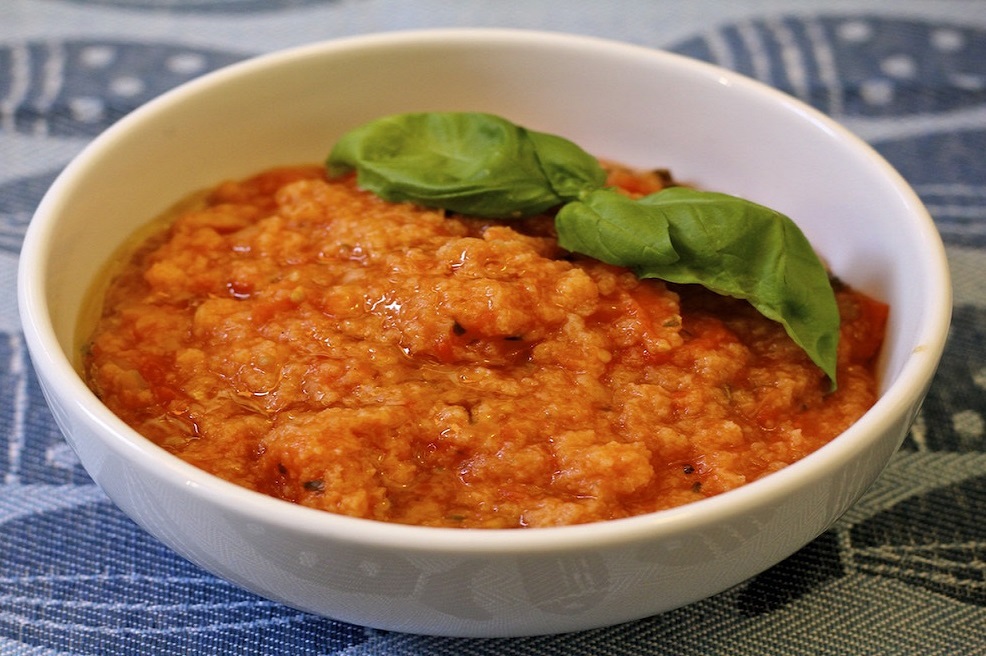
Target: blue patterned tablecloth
{"x": 904, "y": 572}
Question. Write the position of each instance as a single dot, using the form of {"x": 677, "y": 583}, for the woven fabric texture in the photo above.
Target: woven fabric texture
{"x": 903, "y": 572}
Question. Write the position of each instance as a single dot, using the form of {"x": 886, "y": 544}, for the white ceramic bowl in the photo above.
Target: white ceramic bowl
{"x": 636, "y": 105}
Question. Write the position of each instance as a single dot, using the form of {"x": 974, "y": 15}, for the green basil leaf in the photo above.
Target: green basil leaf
{"x": 473, "y": 163}
{"x": 484, "y": 165}
{"x": 727, "y": 244}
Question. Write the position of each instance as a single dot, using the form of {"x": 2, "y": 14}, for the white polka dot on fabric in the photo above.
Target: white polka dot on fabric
{"x": 855, "y": 31}
{"x": 87, "y": 109}
{"x": 127, "y": 86}
{"x": 969, "y": 424}
{"x": 947, "y": 40}
{"x": 899, "y": 66}
{"x": 97, "y": 56}
{"x": 967, "y": 81}
{"x": 186, "y": 63}
{"x": 979, "y": 378}
{"x": 877, "y": 92}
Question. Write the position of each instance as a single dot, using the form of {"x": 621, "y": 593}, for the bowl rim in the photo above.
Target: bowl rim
{"x": 900, "y": 398}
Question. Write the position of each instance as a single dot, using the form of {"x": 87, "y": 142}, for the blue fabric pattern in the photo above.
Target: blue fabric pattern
{"x": 79, "y": 88}
{"x": 855, "y": 65}
{"x": 903, "y": 572}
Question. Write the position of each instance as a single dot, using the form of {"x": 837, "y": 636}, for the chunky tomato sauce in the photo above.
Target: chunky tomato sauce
{"x": 301, "y": 337}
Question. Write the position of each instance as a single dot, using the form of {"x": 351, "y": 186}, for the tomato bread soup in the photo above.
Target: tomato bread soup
{"x": 299, "y": 336}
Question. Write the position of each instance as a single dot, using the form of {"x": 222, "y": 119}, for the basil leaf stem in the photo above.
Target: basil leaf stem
{"x": 484, "y": 165}
{"x": 728, "y": 245}
{"x": 472, "y": 163}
